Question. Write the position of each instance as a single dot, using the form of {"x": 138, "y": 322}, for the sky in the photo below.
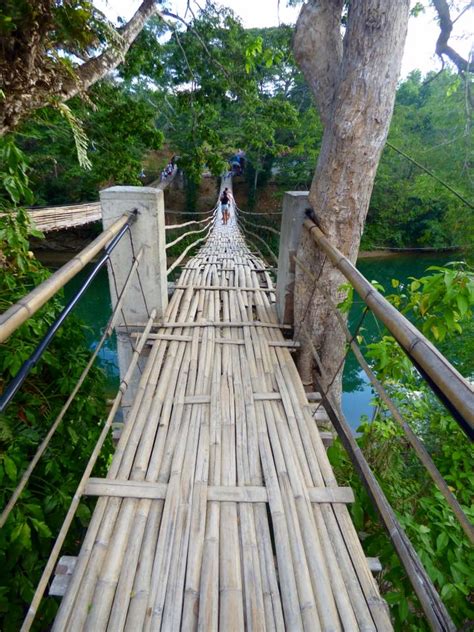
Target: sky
{"x": 419, "y": 49}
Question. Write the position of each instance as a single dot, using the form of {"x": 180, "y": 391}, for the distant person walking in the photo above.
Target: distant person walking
{"x": 225, "y": 199}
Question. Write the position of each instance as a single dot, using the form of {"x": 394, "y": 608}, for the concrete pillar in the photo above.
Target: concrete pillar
{"x": 294, "y": 205}
{"x": 148, "y": 232}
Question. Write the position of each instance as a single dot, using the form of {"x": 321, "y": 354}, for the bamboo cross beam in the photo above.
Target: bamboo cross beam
{"x": 222, "y": 323}
{"x": 241, "y": 494}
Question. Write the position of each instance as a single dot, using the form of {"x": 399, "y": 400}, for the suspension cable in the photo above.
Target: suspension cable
{"x": 44, "y": 444}
{"x": 40, "y": 590}
{"x": 18, "y": 313}
{"x": 190, "y": 232}
{"x": 15, "y": 384}
{"x": 246, "y": 231}
{"x": 412, "y": 438}
{"x": 262, "y": 226}
{"x": 430, "y": 173}
{"x": 188, "y": 248}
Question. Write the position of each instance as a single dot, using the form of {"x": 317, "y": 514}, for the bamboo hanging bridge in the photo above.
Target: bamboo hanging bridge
{"x": 220, "y": 509}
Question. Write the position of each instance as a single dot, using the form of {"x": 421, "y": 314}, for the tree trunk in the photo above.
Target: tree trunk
{"x": 354, "y": 87}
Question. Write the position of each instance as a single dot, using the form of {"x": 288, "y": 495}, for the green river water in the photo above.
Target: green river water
{"x": 94, "y": 309}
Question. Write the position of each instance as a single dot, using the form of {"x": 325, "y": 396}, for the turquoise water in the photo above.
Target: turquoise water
{"x": 95, "y": 308}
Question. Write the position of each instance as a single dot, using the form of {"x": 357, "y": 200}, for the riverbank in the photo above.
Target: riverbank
{"x": 399, "y": 252}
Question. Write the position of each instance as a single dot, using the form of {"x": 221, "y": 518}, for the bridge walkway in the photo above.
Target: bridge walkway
{"x": 220, "y": 509}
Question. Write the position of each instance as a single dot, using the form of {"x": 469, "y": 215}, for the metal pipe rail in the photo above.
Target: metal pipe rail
{"x": 53, "y": 557}
{"x": 448, "y": 384}
{"x": 19, "y": 313}
{"x": 13, "y": 387}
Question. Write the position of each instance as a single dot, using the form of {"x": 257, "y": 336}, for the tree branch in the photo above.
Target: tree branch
{"x": 446, "y": 26}
{"x": 98, "y": 67}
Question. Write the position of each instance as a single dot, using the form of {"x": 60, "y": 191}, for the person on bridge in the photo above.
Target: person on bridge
{"x": 225, "y": 199}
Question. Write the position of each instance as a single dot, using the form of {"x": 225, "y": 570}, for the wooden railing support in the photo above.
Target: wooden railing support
{"x": 149, "y": 288}
{"x": 294, "y": 205}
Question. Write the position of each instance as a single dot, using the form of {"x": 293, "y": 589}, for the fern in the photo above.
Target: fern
{"x": 80, "y": 137}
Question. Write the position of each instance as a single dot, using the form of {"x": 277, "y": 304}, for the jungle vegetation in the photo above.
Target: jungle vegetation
{"x": 202, "y": 90}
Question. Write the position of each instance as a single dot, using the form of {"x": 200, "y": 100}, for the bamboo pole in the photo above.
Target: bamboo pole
{"x": 78, "y": 495}
{"x": 190, "y": 232}
{"x": 414, "y": 441}
{"x": 18, "y": 313}
{"x": 44, "y": 444}
{"x": 454, "y": 387}
{"x": 434, "y": 609}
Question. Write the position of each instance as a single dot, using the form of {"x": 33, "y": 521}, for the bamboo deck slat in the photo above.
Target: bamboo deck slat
{"x": 220, "y": 509}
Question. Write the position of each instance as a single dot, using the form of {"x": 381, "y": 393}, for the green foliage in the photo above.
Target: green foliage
{"x": 28, "y": 535}
{"x": 120, "y": 128}
{"x": 432, "y": 528}
{"x": 408, "y": 207}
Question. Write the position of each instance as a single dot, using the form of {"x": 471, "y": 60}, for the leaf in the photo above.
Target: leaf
{"x": 403, "y": 609}
{"x": 441, "y": 541}
{"x": 80, "y": 137}
{"x": 11, "y": 185}
{"x": 463, "y": 304}
{"x": 84, "y": 514}
{"x": 395, "y": 282}
{"x": 22, "y": 535}
{"x": 358, "y": 514}
{"x": 10, "y": 467}
{"x": 41, "y": 528}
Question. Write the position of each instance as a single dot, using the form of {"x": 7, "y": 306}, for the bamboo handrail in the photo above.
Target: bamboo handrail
{"x": 190, "y": 232}
{"x": 263, "y": 226}
{"x": 193, "y": 221}
{"x": 44, "y": 444}
{"x": 19, "y": 313}
{"x": 452, "y": 385}
{"x": 186, "y": 250}
{"x": 434, "y": 609}
{"x": 274, "y": 257}
{"x": 412, "y": 438}
{"x": 45, "y": 577}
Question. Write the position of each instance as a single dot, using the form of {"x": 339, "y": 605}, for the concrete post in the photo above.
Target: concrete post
{"x": 148, "y": 232}
{"x": 294, "y": 205}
